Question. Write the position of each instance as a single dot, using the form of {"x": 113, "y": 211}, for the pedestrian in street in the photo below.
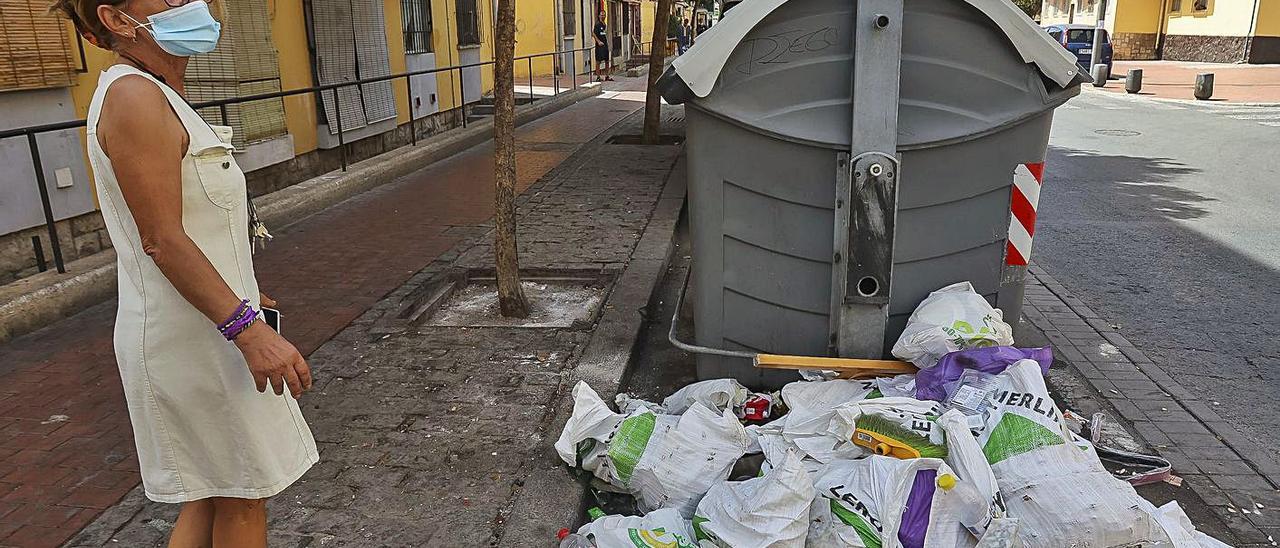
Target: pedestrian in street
{"x": 195, "y": 358}
{"x": 604, "y": 63}
{"x": 683, "y": 38}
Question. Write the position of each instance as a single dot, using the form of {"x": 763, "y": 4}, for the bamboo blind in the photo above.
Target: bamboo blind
{"x": 35, "y": 49}
{"x": 245, "y": 63}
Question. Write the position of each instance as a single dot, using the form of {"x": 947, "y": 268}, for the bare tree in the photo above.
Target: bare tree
{"x": 657, "y": 56}
{"x": 511, "y": 297}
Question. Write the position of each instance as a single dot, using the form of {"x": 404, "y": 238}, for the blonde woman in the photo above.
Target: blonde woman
{"x": 194, "y": 356}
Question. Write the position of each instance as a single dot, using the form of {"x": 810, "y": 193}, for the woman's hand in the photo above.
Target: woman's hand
{"x": 265, "y": 301}
{"x": 273, "y": 359}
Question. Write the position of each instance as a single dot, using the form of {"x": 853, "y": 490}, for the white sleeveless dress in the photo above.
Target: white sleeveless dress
{"x": 201, "y": 427}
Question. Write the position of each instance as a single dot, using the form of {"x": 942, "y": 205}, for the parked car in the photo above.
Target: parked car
{"x": 1078, "y": 39}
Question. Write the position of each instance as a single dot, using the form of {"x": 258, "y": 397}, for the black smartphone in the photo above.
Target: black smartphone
{"x": 271, "y": 317}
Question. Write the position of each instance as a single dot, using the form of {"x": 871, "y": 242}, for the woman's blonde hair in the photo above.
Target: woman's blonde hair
{"x": 84, "y": 15}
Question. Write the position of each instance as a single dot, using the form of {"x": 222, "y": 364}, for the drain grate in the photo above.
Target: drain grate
{"x": 638, "y": 140}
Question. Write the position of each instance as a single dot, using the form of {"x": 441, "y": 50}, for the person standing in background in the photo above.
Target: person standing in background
{"x": 604, "y": 64}
{"x": 682, "y": 39}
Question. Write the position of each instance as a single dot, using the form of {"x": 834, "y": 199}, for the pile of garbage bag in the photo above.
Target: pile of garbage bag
{"x": 970, "y": 451}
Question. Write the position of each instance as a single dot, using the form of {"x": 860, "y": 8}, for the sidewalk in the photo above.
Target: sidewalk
{"x": 1229, "y": 490}
{"x": 427, "y": 433}
{"x": 1177, "y": 80}
{"x": 66, "y": 450}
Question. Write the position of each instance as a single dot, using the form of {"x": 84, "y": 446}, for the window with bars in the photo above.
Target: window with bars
{"x": 468, "y": 23}
{"x": 35, "y": 48}
{"x": 568, "y": 16}
{"x": 416, "y": 15}
{"x": 1175, "y": 6}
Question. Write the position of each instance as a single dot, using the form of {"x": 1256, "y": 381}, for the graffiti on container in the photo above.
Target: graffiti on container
{"x": 785, "y": 47}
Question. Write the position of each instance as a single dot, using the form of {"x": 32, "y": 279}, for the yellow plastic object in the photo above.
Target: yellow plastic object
{"x": 884, "y": 445}
{"x": 946, "y": 482}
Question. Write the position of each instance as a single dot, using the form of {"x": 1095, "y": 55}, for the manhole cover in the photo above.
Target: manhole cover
{"x": 1118, "y": 132}
{"x": 552, "y": 303}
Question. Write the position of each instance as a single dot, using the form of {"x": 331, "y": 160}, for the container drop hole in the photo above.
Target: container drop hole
{"x": 868, "y": 286}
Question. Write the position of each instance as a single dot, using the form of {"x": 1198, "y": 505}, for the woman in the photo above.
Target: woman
{"x": 604, "y": 63}
{"x": 194, "y": 358}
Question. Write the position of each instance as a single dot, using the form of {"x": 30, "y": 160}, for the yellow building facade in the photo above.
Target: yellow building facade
{"x": 271, "y": 46}
{"x": 1223, "y": 31}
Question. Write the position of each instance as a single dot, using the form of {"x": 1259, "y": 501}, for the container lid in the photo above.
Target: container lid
{"x": 784, "y": 68}
{"x": 701, "y": 65}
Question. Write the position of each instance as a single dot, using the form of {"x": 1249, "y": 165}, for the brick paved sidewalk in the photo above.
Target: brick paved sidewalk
{"x": 66, "y": 448}
{"x": 427, "y": 434}
{"x": 1230, "y": 474}
{"x": 1177, "y": 80}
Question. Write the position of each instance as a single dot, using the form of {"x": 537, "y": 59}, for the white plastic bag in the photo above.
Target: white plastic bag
{"x": 717, "y": 394}
{"x": 664, "y": 460}
{"x": 900, "y": 386}
{"x": 1051, "y": 480}
{"x": 952, "y": 318}
{"x": 766, "y": 512}
{"x": 663, "y": 528}
{"x": 974, "y": 501}
{"x": 1182, "y": 534}
{"x": 965, "y": 457}
{"x": 811, "y": 407}
{"x": 886, "y": 502}
{"x": 912, "y": 414}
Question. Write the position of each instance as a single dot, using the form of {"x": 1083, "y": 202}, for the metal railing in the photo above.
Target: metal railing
{"x": 30, "y": 132}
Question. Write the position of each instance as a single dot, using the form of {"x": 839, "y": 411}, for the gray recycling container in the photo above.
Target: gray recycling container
{"x": 768, "y": 94}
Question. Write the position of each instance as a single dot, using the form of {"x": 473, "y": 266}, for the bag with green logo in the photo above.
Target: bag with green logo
{"x": 1052, "y": 480}
{"x": 658, "y": 529}
{"x": 665, "y": 461}
{"x": 885, "y": 502}
{"x": 952, "y": 318}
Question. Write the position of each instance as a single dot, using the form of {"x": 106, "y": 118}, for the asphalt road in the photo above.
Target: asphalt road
{"x": 1165, "y": 219}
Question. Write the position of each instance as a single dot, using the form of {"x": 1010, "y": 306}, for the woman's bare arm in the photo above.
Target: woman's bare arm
{"x": 146, "y": 143}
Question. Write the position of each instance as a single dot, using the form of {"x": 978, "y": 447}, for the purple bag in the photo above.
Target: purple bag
{"x": 931, "y": 383}
{"x": 915, "y": 517}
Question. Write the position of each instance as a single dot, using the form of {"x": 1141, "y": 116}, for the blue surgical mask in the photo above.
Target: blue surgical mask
{"x": 184, "y": 31}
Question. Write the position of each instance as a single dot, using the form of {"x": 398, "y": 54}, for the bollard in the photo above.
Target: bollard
{"x": 1204, "y": 86}
{"x": 1100, "y": 74}
{"x": 1133, "y": 82}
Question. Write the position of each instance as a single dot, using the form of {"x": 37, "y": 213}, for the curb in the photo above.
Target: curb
{"x": 1196, "y": 102}
{"x": 37, "y": 301}
{"x": 1222, "y": 467}
{"x": 552, "y": 497}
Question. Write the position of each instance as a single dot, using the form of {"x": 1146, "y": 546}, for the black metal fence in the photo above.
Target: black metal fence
{"x": 30, "y": 132}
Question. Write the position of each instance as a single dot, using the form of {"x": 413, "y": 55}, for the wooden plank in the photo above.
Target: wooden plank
{"x": 843, "y": 365}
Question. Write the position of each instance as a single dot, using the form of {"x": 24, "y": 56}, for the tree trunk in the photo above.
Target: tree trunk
{"x": 511, "y": 297}
{"x": 657, "y": 56}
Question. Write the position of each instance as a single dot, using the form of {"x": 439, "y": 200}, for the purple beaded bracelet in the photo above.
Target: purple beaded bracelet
{"x": 239, "y": 325}
{"x": 239, "y": 313}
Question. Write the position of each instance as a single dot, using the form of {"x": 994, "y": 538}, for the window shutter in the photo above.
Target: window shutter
{"x": 351, "y": 44}
{"x": 245, "y": 63}
{"x": 374, "y": 60}
{"x": 35, "y": 50}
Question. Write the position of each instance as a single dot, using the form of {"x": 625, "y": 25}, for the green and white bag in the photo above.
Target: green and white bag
{"x": 1050, "y": 479}
{"x": 665, "y": 461}
{"x": 658, "y": 529}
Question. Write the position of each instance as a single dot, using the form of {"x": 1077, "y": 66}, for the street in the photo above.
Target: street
{"x": 1161, "y": 217}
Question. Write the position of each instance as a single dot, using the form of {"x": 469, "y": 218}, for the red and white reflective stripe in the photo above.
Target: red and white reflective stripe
{"x": 1022, "y": 223}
